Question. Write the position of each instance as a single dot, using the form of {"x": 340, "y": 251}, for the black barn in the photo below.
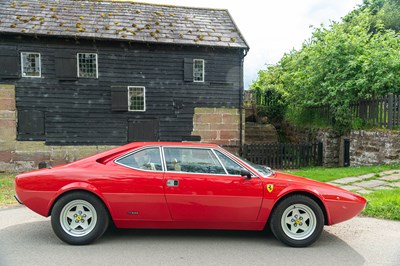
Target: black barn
{"x": 98, "y": 72}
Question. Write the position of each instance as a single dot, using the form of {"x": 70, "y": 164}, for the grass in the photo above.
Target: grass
{"x": 7, "y": 190}
{"x": 384, "y": 204}
{"x": 329, "y": 174}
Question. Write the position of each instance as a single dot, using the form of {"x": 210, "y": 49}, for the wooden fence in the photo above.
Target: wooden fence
{"x": 284, "y": 155}
{"x": 382, "y": 112}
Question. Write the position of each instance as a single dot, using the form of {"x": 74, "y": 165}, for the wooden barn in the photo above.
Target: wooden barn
{"x": 107, "y": 73}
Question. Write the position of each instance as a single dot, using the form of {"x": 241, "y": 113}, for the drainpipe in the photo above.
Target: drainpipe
{"x": 241, "y": 95}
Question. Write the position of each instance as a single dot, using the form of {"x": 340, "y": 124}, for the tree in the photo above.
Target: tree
{"x": 349, "y": 60}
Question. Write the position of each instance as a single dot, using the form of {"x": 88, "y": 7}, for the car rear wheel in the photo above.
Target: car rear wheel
{"x": 297, "y": 221}
{"x": 79, "y": 218}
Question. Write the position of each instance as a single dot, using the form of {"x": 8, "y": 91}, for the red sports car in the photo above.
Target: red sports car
{"x": 181, "y": 185}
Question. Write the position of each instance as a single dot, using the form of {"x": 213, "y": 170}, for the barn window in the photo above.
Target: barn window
{"x": 136, "y": 98}
{"x": 198, "y": 70}
{"x": 31, "y": 65}
{"x": 87, "y": 65}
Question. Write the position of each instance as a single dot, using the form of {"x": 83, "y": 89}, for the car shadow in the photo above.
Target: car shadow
{"x": 28, "y": 242}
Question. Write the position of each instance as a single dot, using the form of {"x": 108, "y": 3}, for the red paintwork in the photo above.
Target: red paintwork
{"x": 200, "y": 201}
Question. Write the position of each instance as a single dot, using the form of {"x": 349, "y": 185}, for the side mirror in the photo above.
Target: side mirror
{"x": 245, "y": 173}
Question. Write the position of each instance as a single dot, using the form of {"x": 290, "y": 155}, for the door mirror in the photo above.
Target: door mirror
{"x": 245, "y": 173}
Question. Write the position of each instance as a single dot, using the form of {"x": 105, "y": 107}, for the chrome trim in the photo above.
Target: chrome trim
{"x": 138, "y": 150}
{"x": 230, "y": 156}
{"x": 219, "y": 160}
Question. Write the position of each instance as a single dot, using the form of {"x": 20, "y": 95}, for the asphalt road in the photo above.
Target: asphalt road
{"x": 27, "y": 239}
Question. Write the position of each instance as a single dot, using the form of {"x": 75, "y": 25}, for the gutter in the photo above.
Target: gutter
{"x": 241, "y": 95}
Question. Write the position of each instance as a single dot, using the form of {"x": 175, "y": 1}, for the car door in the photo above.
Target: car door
{"x": 198, "y": 188}
{"x": 135, "y": 189}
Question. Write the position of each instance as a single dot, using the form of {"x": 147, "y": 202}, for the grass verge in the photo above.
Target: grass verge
{"x": 329, "y": 174}
{"x": 7, "y": 190}
{"x": 384, "y": 204}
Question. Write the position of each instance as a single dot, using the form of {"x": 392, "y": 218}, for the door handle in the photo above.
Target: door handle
{"x": 172, "y": 183}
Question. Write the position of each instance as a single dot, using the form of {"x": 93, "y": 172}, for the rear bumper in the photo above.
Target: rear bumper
{"x": 17, "y": 199}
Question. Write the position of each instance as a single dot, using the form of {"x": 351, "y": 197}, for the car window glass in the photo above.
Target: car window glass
{"x": 231, "y": 166}
{"x": 148, "y": 159}
{"x": 192, "y": 160}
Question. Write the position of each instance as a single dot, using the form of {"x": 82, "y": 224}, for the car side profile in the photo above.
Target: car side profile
{"x": 181, "y": 186}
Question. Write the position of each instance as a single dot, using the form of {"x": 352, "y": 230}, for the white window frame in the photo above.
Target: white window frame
{"x": 144, "y": 99}
{"x": 194, "y": 66}
{"x": 97, "y": 66}
{"x": 22, "y": 65}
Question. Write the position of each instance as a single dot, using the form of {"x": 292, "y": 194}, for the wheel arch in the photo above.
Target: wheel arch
{"x": 73, "y": 189}
{"x": 304, "y": 193}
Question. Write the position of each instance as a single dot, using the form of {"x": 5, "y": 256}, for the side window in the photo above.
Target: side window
{"x": 231, "y": 166}
{"x": 148, "y": 159}
{"x": 31, "y": 65}
{"x": 87, "y": 65}
{"x": 192, "y": 160}
{"x": 198, "y": 70}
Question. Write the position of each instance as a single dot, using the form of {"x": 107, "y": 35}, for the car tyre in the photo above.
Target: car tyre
{"x": 79, "y": 218}
{"x": 297, "y": 221}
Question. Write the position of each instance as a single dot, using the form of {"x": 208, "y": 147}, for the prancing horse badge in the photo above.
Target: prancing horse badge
{"x": 270, "y": 187}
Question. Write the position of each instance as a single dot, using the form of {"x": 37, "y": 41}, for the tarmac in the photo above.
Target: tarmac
{"x": 368, "y": 183}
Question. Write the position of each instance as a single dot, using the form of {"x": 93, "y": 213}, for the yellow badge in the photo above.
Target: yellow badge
{"x": 270, "y": 187}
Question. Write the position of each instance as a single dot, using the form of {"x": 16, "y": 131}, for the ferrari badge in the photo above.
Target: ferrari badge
{"x": 270, "y": 187}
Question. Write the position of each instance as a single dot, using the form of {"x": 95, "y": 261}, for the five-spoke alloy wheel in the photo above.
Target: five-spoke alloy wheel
{"x": 297, "y": 221}
{"x": 79, "y": 218}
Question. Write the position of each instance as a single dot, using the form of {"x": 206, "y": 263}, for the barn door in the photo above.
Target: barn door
{"x": 143, "y": 130}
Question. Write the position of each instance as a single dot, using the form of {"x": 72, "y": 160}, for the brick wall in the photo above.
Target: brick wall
{"x": 217, "y": 125}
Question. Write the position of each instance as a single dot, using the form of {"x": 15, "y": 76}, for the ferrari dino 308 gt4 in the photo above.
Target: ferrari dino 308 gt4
{"x": 181, "y": 186}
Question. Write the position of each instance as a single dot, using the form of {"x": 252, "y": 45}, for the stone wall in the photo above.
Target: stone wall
{"x": 331, "y": 152}
{"x": 19, "y": 156}
{"x": 374, "y": 147}
{"x": 260, "y": 133}
{"x": 217, "y": 125}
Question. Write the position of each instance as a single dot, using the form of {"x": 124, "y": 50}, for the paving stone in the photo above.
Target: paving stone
{"x": 390, "y": 177}
{"x": 389, "y": 172}
{"x": 363, "y": 191}
{"x": 366, "y": 176}
{"x": 397, "y": 184}
{"x": 382, "y": 187}
{"x": 346, "y": 180}
{"x": 350, "y": 188}
{"x": 372, "y": 183}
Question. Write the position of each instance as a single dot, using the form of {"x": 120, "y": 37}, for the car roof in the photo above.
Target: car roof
{"x": 183, "y": 144}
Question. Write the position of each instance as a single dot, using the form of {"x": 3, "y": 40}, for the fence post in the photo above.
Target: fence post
{"x": 390, "y": 111}
{"x": 320, "y": 151}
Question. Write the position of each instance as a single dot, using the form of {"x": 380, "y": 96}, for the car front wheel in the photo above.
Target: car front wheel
{"x": 79, "y": 218}
{"x": 297, "y": 221}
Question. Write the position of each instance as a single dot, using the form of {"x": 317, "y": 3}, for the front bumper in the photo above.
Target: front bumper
{"x": 17, "y": 199}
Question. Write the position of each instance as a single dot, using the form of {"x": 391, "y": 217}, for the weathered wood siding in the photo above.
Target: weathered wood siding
{"x": 79, "y": 111}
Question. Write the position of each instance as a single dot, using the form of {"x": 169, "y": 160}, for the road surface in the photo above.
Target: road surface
{"x": 27, "y": 239}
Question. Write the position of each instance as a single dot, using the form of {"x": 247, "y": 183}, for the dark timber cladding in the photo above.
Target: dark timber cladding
{"x": 62, "y": 108}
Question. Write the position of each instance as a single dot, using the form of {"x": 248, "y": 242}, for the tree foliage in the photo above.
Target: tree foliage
{"x": 356, "y": 58}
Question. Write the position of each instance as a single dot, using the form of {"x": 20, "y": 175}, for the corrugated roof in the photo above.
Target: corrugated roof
{"x": 131, "y": 21}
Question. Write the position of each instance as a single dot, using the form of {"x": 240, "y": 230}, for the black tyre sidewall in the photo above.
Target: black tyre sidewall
{"x": 98, "y": 230}
{"x": 276, "y": 216}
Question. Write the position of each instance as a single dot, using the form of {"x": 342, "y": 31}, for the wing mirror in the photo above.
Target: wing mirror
{"x": 245, "y": 173}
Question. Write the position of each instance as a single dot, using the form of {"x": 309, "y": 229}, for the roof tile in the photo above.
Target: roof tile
{"x": 121, "y": 21}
